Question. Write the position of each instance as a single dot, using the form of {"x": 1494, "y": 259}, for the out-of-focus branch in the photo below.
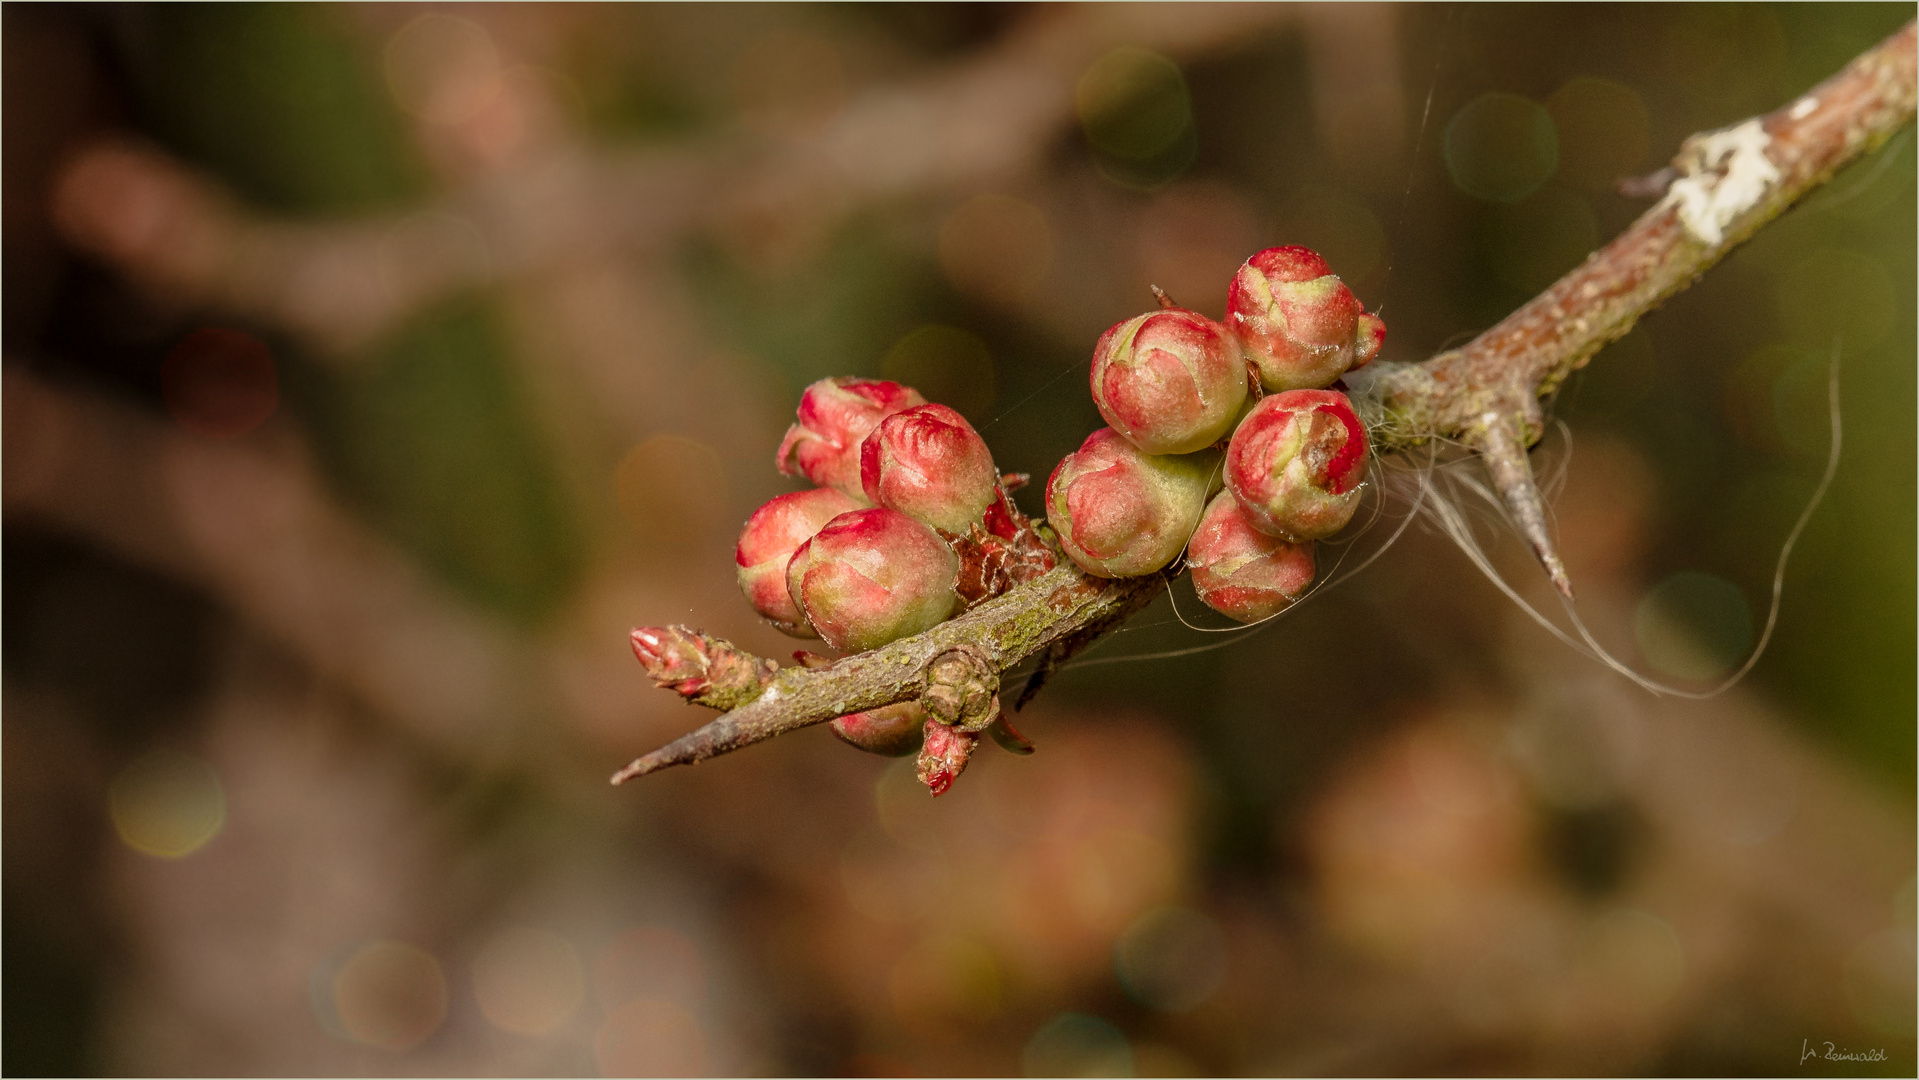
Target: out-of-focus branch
{"x": 1728, "y": 184}
{"x": 1731, "y": 183}
{"x": 341, "y": 284}
{"x": 257, "y": 529}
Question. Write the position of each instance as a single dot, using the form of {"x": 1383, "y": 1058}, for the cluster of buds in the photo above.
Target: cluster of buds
{"x": 910, "y": 524}
{"x": 1174, "y": 387}
{"x": 1226, "y": 443}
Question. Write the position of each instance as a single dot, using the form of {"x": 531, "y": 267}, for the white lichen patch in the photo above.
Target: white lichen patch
{"x": 1803, "y": 107}
{"x": 1727, "y": 173}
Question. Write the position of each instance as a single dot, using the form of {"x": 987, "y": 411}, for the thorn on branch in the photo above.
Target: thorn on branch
{"x": 1499, "y": 441}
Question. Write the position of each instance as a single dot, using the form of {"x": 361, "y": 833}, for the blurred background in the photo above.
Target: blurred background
{"x": 371, "y": 370}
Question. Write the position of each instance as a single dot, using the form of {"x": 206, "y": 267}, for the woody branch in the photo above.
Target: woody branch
{"x": 1725, "y": 186}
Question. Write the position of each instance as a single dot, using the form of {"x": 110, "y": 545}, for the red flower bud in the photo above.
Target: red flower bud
{"x": 1170, "y": 381}
{"x": 1298, "y": 322}
{"x": 944, "y": 756}
{"x": 928, "y": 463}
{"x": 1120, "y": 512}
{"x": 873, "y": 576}
{"x": 1241, "y": 572}
{"x": 1296, "y": 463}
{"x": 892, "y": 730}
{"x": 772, "y": 535}
{"x": 835, "y": 416}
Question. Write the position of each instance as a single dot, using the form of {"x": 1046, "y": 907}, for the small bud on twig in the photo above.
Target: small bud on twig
{"x": 890, "y": 730}
{"x": 699, "y": 667}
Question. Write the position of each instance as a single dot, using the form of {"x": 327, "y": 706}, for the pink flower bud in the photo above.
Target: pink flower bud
{"x": 1241, "y": 572}
{"x": 1296, "y": 463}
{"x": 772, "y": 535}
{"x": 1170, "y": 381}
{"x": 1298, "y": 322}
{"x": 1120, "y": 512}
{"x": 873, "y": 576}
{"x": 892, "y": 730}
{"x": 835, "y": 416}
{"x": 928, "y": 463}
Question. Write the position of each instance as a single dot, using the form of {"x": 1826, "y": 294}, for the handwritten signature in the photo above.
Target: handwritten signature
{"x": 1826, "y": 1051}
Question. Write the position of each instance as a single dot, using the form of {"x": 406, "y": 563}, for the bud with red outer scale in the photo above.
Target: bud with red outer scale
{"x": 1296, "y": 464}
{"x": 1300, "y": 325}
{"x": 928, "y": 463}
{"x": 1243, "y": 573}
{"x": 1170, "y": 381}
{"x": 1122, "y": 513}
{"x": 774, "y": 532}
{"x": 891, "y": 730}
{"x": 835, "y": 416}
{"x": 873, "y": 576}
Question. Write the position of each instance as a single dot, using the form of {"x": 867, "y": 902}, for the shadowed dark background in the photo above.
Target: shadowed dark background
{"x": 370, "y": 370}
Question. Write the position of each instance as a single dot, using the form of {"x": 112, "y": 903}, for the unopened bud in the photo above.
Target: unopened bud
{"x": 928, "y": 463}
{"x": 873, "y": 576}
{"x": 835, "y": 416}
{"x": 772, "y": 535}
{"x": 1170, "y": 381}
{"x": 1369, "y": 339}
{"x": 892, "y": 730}
{"x": 1243, "y": 573}
{"x": 1120, "y": 512}
{"x": 1296, "y": 464}
{"x": 1299, "y": 323}
{"x": 944, "y": 756}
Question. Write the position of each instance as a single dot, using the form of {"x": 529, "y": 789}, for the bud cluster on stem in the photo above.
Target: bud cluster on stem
{"x": 1172, "y": 384}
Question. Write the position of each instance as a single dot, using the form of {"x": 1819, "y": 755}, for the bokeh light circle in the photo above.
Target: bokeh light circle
{"x": 1133, "y": 104}
{"x": 1075, "y": 1044}
{"x": 1171, "y": 959}
{"x": 1693, "y": 626}
{"x": 650, "y": 1037}
{"x": 1604, "y": 131}
{"x": 167, "y": 804}
{"x": 220, "y": 382}
{"x": 998, "y": 248}
{"x": 1501, "y": 147}
{"x": 947, "y": 365}
{"x": 390, "y": 995}
{"x": 672, "y": 489}
{"x": 528, "y": 980}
